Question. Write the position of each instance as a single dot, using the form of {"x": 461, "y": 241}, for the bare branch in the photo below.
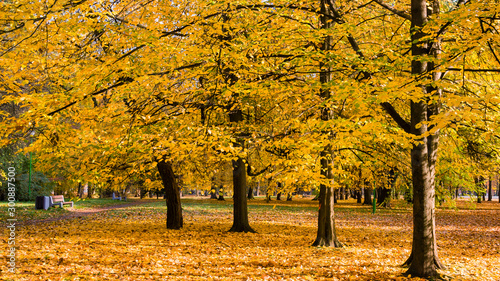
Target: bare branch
{"x": 396, "y": 12}
{"x": 395, "y": 115}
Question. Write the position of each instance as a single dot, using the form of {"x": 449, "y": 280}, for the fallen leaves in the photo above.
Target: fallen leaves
{"x": 133, "y": 244}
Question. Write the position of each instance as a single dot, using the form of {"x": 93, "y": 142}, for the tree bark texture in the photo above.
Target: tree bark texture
{"x": 174, "y": 209}
{"x": 326, "y": 235}
{"x": 240, "y": 210}
{"x": 368, "y": 196}
{"x": 250, "y": 193}
{"x": 423, "y": 260}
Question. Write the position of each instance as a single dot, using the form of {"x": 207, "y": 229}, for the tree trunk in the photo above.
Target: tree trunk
{"x": 221, "y": 193}
{"x": 479, "y": 185}
{"x": 326, "y": 235}
{"x": 213, "y": 192}
{"x": 90, "y": 190}
{"x": 174, "y": 209}
{"x": 423, "y": 260}
{"x": 268, "y": 197}
{"x": 341, "y": 193}
{"x": 240, "y": 216}
{"x": 279, "y": 189}
{"x": 359, "y": 188}
{"x": 80, "y": 190}
{"x": 289, "y": 197}
{"x": 380, "y": 196}
{"x": 384, "y": 199}
{"x": 368, "y": 196}
{"x": 250, "y": 193}
{"x": 258, "y": 188}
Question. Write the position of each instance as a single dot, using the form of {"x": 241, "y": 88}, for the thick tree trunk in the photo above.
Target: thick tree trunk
{"x": 423, "y": 260}
{"x": 289, "y": 197}
{"x": 174, "y": 209}
{"x": 342, "y": 193}
{"x": 358, "y": 196}
{"x": 384, "y": 197}
{"x": 326, "y": 235}
{"x": 240, "y": 210}
{"x": 278, "y": 196}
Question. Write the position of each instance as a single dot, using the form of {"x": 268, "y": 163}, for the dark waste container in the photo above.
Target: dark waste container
{"x": 42, "y": 202}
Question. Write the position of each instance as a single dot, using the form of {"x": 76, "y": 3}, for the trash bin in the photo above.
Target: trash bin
{"x": 42, "y": 202}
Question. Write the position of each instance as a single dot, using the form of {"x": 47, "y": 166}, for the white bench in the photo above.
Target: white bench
{"x": 58, "y": 200}
{"x": 118, "y": 198}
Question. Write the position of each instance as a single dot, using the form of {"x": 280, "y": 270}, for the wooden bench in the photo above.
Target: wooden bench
{"x": 58, "y": 200}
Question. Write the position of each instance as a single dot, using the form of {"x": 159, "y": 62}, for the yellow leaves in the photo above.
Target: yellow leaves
{"x": 133, "y": 244}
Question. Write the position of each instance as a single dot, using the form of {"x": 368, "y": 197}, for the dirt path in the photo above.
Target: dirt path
{"x": 78, "y": 213}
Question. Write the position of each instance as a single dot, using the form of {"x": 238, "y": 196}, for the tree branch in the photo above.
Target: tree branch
{"x": 396, "y": 117}
{"x": 396, "y": 12}
{"x": 249, "y": 170}
{"x": 90, "y": 95}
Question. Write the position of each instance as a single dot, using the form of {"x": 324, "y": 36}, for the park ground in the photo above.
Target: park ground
{"x": 102, "y": 239}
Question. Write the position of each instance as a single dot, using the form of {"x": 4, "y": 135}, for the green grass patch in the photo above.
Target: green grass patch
{"x": 26, "y": 211}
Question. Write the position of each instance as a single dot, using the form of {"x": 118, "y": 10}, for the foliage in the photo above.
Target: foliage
{"x": 26, "y": 212}
{"x": 111, "y": 88}
{"x": 128, "y": 89}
